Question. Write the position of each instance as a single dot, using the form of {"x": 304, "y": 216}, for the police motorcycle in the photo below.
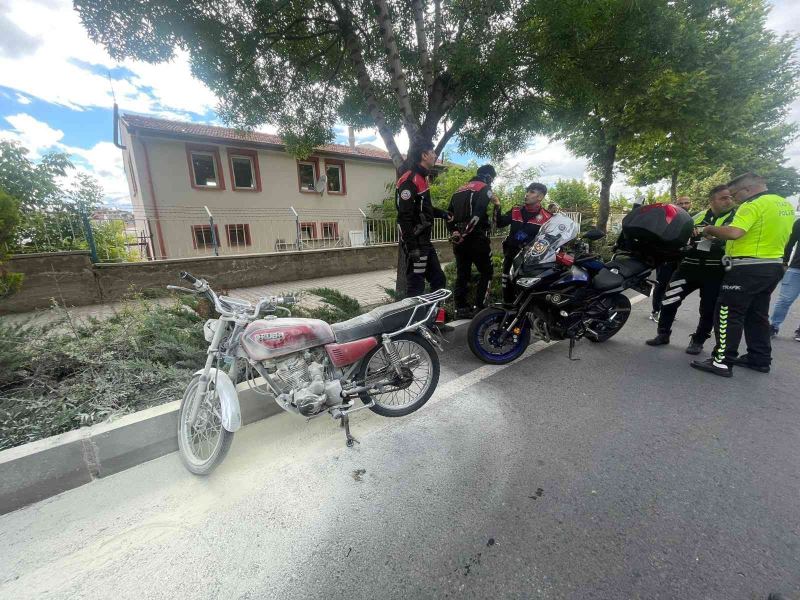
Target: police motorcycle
{"x": 563, "y": 292}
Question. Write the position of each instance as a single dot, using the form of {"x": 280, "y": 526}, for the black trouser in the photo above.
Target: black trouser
{"x": 684, "y": 281}
{"x": 509, "y": 293}
{"x": 474, "y": 250}
{"x": 663, "y": 275}
{"x": 427, "y": 268}
{"x": 743, "y": 306}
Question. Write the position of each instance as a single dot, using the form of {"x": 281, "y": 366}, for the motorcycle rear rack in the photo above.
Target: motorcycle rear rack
{"x": 427, "y": 306}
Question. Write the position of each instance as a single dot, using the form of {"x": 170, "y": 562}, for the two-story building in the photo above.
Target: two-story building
{"x": 261, "y": 198}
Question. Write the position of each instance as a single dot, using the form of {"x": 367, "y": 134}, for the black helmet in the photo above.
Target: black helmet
{"x": 487, "y": 171}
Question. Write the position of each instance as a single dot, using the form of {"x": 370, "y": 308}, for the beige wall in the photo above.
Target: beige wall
{"x": 266, "y": 212}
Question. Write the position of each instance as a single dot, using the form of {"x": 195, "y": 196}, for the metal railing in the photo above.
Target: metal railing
{"x": 186, "y": 232}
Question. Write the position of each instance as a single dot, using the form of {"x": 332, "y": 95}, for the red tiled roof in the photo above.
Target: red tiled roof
{"x": 228, "y": 134}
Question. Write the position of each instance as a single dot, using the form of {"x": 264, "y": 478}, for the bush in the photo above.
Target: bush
{"x": 64, "y": 375}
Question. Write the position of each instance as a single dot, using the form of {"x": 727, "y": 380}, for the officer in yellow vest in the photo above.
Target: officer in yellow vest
{"x": 756, "y": 239}
{"x": 701, "y": 269}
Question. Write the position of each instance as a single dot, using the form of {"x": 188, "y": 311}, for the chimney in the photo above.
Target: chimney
{"x": 351, "y": 137}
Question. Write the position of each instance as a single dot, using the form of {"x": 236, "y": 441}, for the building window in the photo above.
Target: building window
{"x": 205, "y": 169}
{"x": 202, "y": 238}
{"x": 238, "y": 235}
{"x": 307, "y": 174}
{"x": 334, "y": 170}
{"x": 244, "y": 169}
{"x": 134, "y": 187}
{"x": 308, "y": 231}
{"x": 330, "y": 231}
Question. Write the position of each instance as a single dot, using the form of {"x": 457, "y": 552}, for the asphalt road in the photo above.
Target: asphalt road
{"x": 625, "y": 474}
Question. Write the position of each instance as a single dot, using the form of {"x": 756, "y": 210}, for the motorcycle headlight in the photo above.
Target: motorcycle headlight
{"x": 527, "y": 282}
{"x": 210, "y": 328}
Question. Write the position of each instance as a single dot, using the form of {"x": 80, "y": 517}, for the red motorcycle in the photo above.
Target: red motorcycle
{"x": 385, "y": 358}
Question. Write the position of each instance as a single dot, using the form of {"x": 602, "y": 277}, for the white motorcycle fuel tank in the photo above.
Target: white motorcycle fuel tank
{"x": 268, "y": 339}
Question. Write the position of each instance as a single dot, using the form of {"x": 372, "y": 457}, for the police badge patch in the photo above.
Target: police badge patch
{"x": 489, "y": 194}
{"x": 405, "y": 194}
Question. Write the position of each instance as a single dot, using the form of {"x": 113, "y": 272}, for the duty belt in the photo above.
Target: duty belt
{"x": 738, "y": 261}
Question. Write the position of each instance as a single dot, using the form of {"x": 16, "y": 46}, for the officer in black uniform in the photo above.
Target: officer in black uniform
{"x": 666, "y": 270}
{"x": 415, "y": 214}
{"x": 701, "y": 269}
{"x": 469, "y": 233}
{"x": 525, "y": 221}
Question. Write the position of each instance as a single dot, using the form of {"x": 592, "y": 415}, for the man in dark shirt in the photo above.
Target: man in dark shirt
{"x": 415, "y": 214}
{"x": 469, "y": 233}
{"x": 525, "y": 222}
{"x": 790, "y": 284}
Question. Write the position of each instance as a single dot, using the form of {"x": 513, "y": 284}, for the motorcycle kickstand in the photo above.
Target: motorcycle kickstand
{"x": 346, "y": 424}
{"x": 571, "y": 348}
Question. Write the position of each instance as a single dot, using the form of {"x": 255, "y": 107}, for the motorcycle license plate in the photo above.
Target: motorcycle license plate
{"x": 644, "y": 287}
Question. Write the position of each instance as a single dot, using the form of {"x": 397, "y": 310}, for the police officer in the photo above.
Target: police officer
{"x": 665, "y": 271}
{"x": 469, "y": 232}
{"x": 701, "y": 269}
{"x": 756, "y": 240}
{"x": 415, "y": 214}
{"x": 525, "y": 221}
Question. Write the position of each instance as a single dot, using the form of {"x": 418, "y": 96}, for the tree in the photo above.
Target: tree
{"x": 9, "y": 219}
{"x": 431, "y": 69}
{"x": 573, "y": 195}
{"x": 34, "y": 185}
{"x": 705, "y": 119}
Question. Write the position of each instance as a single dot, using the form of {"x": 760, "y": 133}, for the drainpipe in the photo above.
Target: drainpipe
{"x": 116, "y": 128}
{"x": 351, "y": 138}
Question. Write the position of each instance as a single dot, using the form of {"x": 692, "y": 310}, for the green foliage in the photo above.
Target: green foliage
{"x": 9, "y": 220}
{"x": 495, "y": 287}
{"x": 112, "y": 242}
{"x": 35, "y": 185}
{"x": 63, "y": 375}
{"x": 704, "y": 119}
{"x": 338, "y": 306}
{"x": 698, "y": 189}
{"x": 307, "y": 65}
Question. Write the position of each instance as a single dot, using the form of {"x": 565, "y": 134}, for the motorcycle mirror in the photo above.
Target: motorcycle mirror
{"x": 594, "y": 234}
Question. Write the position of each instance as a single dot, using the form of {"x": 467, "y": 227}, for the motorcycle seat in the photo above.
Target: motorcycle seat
{"x": 390, "y": 317}
{"x": 606, "y": 280}
{"x": 628, "y": 266}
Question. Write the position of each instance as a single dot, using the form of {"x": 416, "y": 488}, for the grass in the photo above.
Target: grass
{"x": 67, "y": 374}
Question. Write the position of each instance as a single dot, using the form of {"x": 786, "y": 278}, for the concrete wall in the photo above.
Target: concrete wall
{"x": 70, "y": 279}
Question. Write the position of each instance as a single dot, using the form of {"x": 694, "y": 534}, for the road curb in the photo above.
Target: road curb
{"x": 44, "y": 468}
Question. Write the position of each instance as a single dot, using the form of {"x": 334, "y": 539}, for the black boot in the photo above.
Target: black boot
{"x": 661, "y": 339}
{"x": 711, "y": 366}
{"x": 695, "y": 346}
{"x": 744, "y": 361}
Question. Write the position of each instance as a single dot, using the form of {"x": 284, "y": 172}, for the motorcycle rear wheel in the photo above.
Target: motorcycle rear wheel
{"x": 406, "y": 397}
{"x": 204, "y": 444}
{"x": 482, "y": 334}
{"x": 621, "y": 306}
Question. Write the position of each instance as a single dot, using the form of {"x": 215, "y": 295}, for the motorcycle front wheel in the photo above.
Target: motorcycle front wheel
{"x": 405, "y": 393}
{"x": 204, "y": 443}
{"x": 485, "y": 335}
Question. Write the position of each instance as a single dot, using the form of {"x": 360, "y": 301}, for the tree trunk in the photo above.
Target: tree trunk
{"x": 673, "y": 188}
{"x": 607, "y": 171}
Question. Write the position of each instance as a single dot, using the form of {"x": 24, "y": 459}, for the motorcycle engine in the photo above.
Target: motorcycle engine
{"x": 302, "y": 380}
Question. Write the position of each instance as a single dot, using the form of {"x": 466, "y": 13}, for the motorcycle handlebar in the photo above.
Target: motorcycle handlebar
{"x": 188, "y": 277}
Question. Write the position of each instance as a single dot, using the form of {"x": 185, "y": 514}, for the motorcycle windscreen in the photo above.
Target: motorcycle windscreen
{"x": 559, "y": 230}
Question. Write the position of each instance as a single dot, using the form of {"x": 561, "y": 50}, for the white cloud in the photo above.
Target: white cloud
{"x": 34, "y": 135}
{"x": 57, "y": 69}
{"x": 103, "y": 161}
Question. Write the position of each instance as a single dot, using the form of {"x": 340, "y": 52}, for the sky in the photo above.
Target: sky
{"x": 56, "y": 94}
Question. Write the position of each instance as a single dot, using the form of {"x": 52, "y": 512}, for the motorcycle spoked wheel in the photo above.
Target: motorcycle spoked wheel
{"x": 483, "y": 338}
{"x": 410, "y": 391}
{"x": 621, "y": 305}
{"x": 204, "y": 444}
